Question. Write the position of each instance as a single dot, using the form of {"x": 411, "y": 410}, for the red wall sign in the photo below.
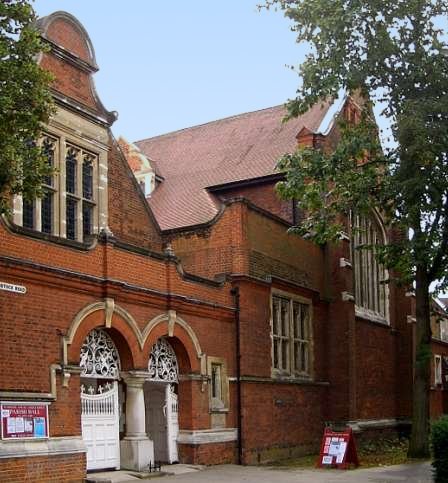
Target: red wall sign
{"x": 24, "y": 420}
{"x": 338, "y": 449}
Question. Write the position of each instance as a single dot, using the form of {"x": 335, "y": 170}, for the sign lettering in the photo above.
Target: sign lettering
{"x": 10, "y": 287}
{"x": 24, "y": 420}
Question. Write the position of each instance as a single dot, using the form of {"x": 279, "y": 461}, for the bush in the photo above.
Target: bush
{"x": 439, "y": 442}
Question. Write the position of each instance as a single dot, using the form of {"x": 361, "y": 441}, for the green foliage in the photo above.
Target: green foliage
{"x": 390, "y": 52}
{"x": 393, "y": 53}
{"x": 25, "y": 103}
{"x": 439, "y": 443}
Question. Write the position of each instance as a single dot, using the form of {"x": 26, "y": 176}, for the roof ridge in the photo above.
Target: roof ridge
{"x": 228, "y": 118}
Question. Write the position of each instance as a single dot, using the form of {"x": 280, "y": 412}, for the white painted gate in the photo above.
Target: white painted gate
{"x": 100, "y": 426}
{"x": 172, "y": 420}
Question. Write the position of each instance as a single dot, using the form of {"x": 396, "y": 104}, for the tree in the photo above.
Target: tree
{"x": 25, "y": 104}
{"x": 392, "y": 53}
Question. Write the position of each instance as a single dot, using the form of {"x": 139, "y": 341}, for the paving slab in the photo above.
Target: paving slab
{"x": 411, "y": 473}
{"x": 127, "y": 476}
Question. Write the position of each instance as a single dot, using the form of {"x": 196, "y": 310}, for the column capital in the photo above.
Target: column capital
{"x": 135, "y": 378}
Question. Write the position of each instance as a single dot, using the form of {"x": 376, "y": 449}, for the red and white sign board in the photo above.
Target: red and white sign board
{"x": 24, "y": 420}
{"x": 338, "y": 449}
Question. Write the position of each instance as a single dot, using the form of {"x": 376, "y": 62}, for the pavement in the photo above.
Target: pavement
{"x": 409, "y": 473}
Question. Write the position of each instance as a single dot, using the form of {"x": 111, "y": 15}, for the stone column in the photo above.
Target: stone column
{"x": 136, "y": 449}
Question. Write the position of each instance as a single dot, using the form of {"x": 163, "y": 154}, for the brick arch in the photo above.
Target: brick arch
{"x": 182, "y": 338}
{"x": 118, "y": 323}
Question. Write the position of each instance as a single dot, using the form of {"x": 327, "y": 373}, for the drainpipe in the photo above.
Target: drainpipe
{"x": 236, "y": 295}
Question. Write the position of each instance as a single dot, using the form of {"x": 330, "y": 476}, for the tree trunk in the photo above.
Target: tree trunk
{"x": 419, "y": 443}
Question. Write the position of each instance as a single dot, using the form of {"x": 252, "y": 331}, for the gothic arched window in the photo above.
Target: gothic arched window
{"x": 99, "y": 356}
{"x": 371, "y": 291}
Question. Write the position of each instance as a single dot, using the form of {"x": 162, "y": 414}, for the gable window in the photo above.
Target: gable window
{"x": 291, "y": 336}
{"x": 69, "y": 205}
{"x": 369, "y": 276}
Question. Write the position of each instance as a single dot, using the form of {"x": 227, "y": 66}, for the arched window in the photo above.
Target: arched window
{"x": 371, "y": 291}
{"x": 163, "y": 362}
{"x": 99, "y": 356}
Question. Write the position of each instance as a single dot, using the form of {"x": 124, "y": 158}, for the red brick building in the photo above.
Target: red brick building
{"x": 169, "y": 315}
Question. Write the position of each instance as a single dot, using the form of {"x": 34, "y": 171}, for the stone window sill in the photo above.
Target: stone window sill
{"x": 366, "y": 314}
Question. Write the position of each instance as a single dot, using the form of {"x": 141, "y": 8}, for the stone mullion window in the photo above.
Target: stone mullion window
{"x": 369, "y": 275}
{"x": 301, "y": 338}
{"x": 88, "y": 176}
{"x": 40, "y": 214}
{"x": 48, "y": 212}
{"x": 72, "y": 200}
{"x": 291, "y": 337}
{"x": 280, "y": 333}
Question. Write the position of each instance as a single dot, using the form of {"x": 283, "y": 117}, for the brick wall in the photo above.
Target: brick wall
{"x": 130, "y": 217}
{"x": 281, "y": 420}
{"x": 43, "y": 469}
{"x": 218, "y": 249}
{"x": 264, "y": 196}
{"x": 438, "y": 393}
{"x": 208, "y": 454}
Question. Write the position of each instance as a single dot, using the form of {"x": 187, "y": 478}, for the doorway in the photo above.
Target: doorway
{"x": 162, "y": 421}
{"x": 161, "y": 401}
{"x": 100, "y": 366}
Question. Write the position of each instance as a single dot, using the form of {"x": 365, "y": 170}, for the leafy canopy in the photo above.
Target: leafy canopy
{"x": 393, "y": 53}
{"x": 25, "y": 103}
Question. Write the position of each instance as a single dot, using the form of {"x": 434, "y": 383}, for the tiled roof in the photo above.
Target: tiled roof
{"x": 237, "y": 148}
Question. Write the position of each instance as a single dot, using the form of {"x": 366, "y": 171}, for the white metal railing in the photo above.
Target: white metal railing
{"x": 100, "y": 404}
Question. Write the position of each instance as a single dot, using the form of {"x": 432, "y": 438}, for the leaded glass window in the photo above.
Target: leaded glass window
{"x": 69, "y": 205}
{"x": 28, "y": 214}
{"x": 87, "y": 177}
{"x": 71, "y": 164}
{"x": 47, "y": 212}
{"x": 48, "y": 145}
{"x": 70, "y": 218}
{"x": 369, "y": 276}
{"x": 87, "y": 218}
{"x": 291, "y": 336}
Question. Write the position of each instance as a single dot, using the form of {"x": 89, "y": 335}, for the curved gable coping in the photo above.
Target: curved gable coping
{"x": 106, "y": 119}
{"x": 87, "y": 66}
{"x": 44, "y": 23}
{"x": 64, "y": 54}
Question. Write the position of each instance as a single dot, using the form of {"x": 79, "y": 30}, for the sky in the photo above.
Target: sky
{"x": 169, "y": 65}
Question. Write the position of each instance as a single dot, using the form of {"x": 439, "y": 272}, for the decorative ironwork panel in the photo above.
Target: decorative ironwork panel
{"x": 99, "y": 356}
{"x": 163, "y": 362}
